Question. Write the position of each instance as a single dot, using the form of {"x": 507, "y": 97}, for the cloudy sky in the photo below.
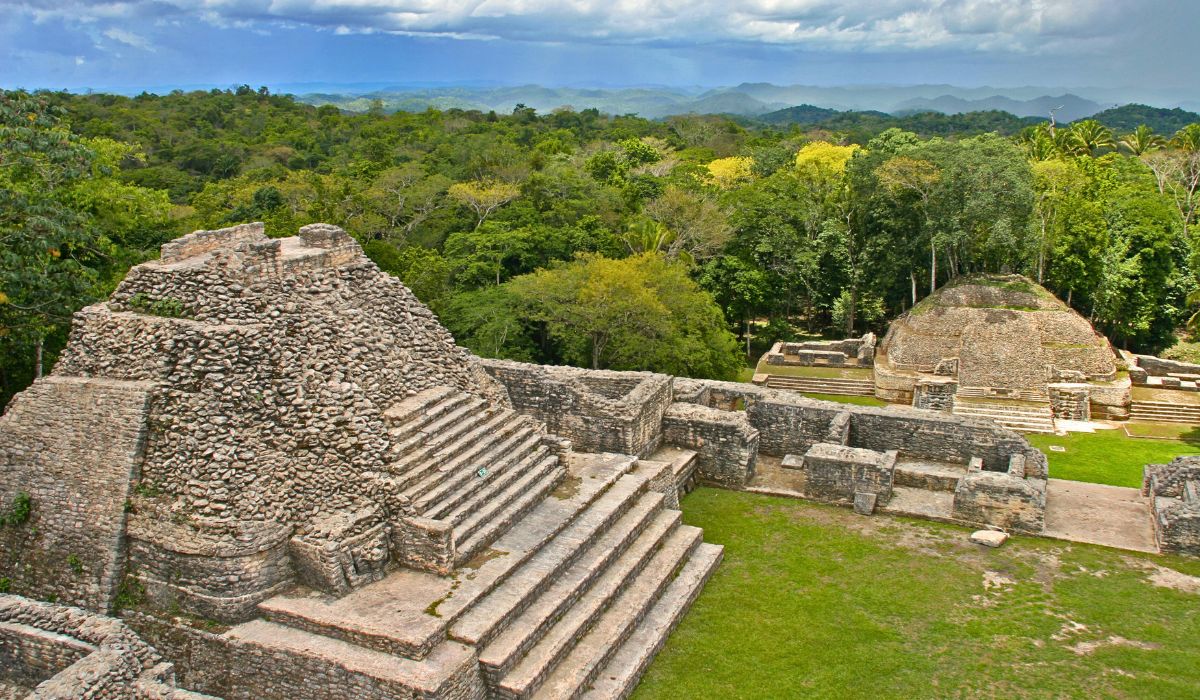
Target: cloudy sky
{"x": 155, "y": 43}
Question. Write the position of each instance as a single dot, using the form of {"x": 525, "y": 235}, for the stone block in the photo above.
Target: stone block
{"x": 837, "y": 473}
{"x": 864, "y": 502}
{"x": 989, "y": 538}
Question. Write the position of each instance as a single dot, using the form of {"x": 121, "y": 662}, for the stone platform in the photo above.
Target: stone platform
{"x": 1099, "y": 514}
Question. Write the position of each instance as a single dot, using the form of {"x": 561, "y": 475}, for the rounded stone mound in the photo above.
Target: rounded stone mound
{"x": 997, "y": 331}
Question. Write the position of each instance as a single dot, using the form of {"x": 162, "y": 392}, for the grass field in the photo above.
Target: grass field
{"x": 856, "y": 400}
{"x": 1144, "y": 393}
{"x": 814, "y": 601}
{"x": 822, "y": 372}
{"x": 1163, "y": 431}
{"x": 1107, "y": 456}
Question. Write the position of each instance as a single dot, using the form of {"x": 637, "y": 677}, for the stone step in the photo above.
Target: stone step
{"x": 1167, "y": 405}
{"x": 492, "y": 520}
{"x": 460, "y": 478}
{"x": 424, "y": 448}
{"x": 562, "y": 668}
{"x": 437, "y": 675}
{"x": 486, "y": 512}
{"x": 930, "y": 476}
{"x": 1143, "y": 418}
{"x": 591, "y": 582}
{"x": 456, "y": 460}
{"x": 620, "y": 676}
{"x": 403, "y": 412}
{"x": 796, "y": 382}
{"x": 439, "y": 420}
{"x": 458, "y": 505}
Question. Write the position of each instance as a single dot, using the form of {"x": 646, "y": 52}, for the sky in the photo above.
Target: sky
{"x": 135, "y": 44}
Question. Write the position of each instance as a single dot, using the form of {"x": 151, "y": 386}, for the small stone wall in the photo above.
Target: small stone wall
{"x": 1174, "y": 491}
{"x": 597, "y": 410}
{"x": 228, "y": 666}
{"x": 725, "y": 442}
{"x": 1070, "y": 402}
{"x": 1159, "y": 367}
{"x": 1005, "y": 498}
{"x": 824, "y": 352}
{"x": 73, "y": 446}
{"x": 69, "y": 653}
{"x": 838, "y": 473}
{"x": 935, "y": 394}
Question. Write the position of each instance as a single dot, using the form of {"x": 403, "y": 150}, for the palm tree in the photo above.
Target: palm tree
{"x": 1090, "y": 137}
{"x": 1038, "y": 142}
{"x": 1142, "y": 140}
{"x": 1187, "y": 139}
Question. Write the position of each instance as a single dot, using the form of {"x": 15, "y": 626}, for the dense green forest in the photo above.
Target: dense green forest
{"x": 604, "y": 241}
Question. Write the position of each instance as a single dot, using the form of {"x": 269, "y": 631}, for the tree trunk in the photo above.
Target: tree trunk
{"x": 932, "y": 268}
{"x": 912, "y": 277}
{"x": 37, "y": 364}
{"x": 852, "y": 312}
{"x": 748, "y": 337}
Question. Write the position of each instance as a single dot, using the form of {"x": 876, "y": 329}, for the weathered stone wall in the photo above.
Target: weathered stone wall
{"x": 70, "y": 653}
{"x": 227, "y": 666}
{"x": 211, "y": 569}
{"x": 1007, "y": 499}
{"x": 838, "y": 473}
{"x": 597, "y": 410}
{"x": 934, "y": 394}
{"x": 1159, "y": 367}
{"x": 1174, "y": 491}
{"x": 725, "y": 442}
{"x": 74, "y": 446}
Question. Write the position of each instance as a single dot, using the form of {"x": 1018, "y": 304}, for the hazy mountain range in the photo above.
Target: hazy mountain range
{"x": 747, "y": 99}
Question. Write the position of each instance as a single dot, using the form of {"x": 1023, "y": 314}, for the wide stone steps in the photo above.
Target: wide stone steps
{"x": 588, "y": 655}
{"x": 418, "y": 449}
{"x": 822, "y": 385}
{"x": 1018, "y": 417}
{"x": 582, "y": 592}
{"x": 1164, "y": 412}
{"x": 579, "y": 594}
{"x": 618, "y": 679}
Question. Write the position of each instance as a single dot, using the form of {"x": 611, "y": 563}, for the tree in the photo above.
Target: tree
{"x": 1089, "y": 137}
{"x": 642, "y": 313}
{"x": 904, "y": 175}
{"x": 728, "y": 172}
{"x": 699, "y": 226}
{"x": 483, "y": 196}
{"x": 63, "y": 220}
{"x": 1177, "y": 172}
{"x": 1142, "y": 140}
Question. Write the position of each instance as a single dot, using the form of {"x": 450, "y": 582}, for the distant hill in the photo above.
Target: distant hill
{"x": 861, "y": 125}
{"x": 1126, "y": 118}
{"x": 1067, "y": 107}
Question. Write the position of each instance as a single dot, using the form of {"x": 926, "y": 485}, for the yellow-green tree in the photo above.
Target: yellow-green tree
{"x": 483, "y": 196}
{"x": 726, "y": 173}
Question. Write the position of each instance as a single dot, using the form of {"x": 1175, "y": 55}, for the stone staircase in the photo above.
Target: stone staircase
{"x": 573, "y": 600}
{"x": 1164, "y": 412}
{"x": 471, "y": 465}
{"x": 1025, "y": 417}
{"x": 822, "y": 385}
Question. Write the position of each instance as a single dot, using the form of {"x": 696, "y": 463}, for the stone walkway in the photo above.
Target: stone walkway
{"x": 1097, "y": 514}
{"x": 1080, "y": 512}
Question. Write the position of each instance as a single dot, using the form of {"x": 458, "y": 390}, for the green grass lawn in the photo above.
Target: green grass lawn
{"x": 856, "y": 400}
{"x": 1107, "y": 456}
{"x": 814, "y": 601}
{"x": 1145, "y": 393}
{"x": 823, "y": 372}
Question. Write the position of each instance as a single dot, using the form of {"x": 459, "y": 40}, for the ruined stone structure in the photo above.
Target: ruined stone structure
{"x": 276, "y": 466}
{"x": 1001, "y": 347}
{"x": 1174, "y": 492}
{"x": 851, "y": 352}
{"x": 54, "y": 651}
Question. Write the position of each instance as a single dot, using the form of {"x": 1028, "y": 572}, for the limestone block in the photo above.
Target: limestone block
{"x": 864, "y": 502}
{"x": 989, "y": 538}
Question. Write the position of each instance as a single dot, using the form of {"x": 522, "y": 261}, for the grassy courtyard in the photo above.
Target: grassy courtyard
{"x": 814, "y": 601}
{"x": 1108, "y": 456}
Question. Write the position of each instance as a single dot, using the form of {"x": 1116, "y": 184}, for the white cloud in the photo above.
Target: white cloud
{"x": 1016, "y": 26}
{"x": 129, "y": 39}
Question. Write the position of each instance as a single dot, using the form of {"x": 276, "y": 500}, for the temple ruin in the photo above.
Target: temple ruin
{"x": 274, "y": 465}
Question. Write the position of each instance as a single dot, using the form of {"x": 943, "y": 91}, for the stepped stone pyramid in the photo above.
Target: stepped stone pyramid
{"x": 279, "y": 466}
